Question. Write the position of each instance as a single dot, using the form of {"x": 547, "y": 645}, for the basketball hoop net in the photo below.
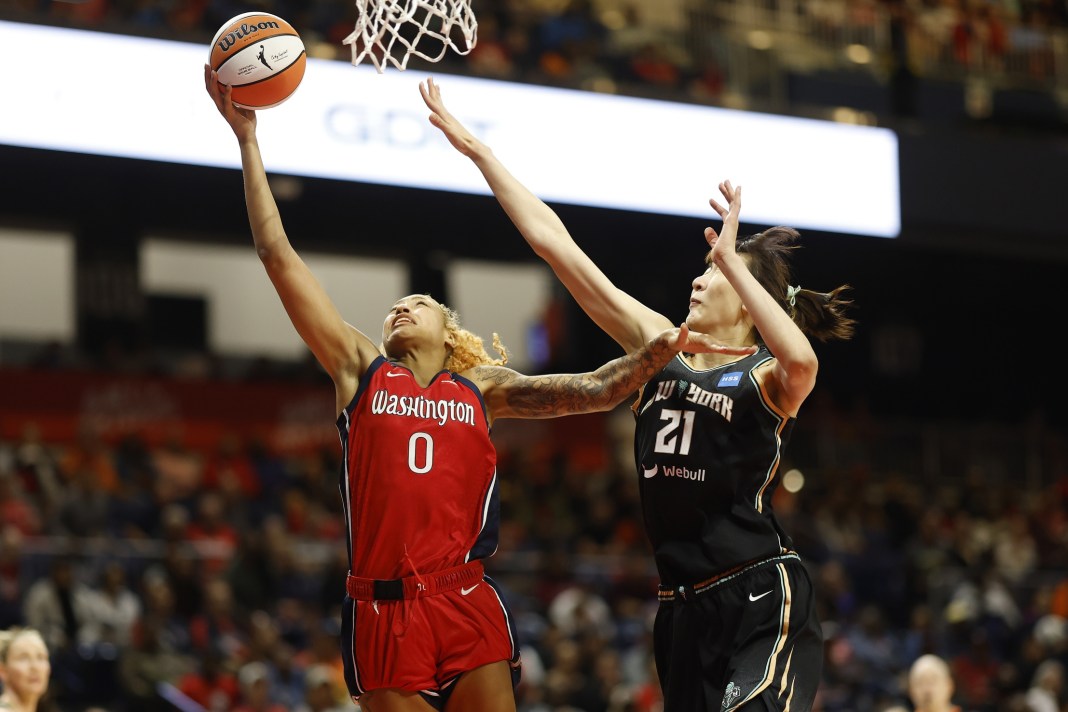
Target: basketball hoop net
{"x": 392, "y": 31}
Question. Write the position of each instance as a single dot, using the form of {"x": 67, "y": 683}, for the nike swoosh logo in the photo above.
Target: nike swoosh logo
{"x": 391, "y": 374}
{"x": 465, "y": 591}
{"x": 650, "y": 472}
{"x": 757, "y": 598}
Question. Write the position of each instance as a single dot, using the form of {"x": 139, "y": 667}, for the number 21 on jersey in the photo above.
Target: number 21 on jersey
{"x": 668, "y": 438}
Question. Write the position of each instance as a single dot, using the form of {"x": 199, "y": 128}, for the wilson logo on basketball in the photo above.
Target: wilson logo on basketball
{"x": 230, "y": 39}
{"x": 260, "y": 57}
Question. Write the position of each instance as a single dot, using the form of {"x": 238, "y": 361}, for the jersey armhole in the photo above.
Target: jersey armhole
{"x": 762, "y": 390}
{"x": 365, "y": 381}
{"x": 478, "y": 394}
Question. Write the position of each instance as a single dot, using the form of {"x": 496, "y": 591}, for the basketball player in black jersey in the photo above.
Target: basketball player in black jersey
{"x": 736, "y": 628}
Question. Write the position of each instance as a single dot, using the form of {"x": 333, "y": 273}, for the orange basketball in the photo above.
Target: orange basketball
{"x": 261, "y": 56}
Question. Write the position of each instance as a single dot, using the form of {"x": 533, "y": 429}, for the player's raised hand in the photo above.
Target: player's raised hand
{"x": 694, "y": 342}
{"x": 462, "y": 139}
{"x": 242, "y": 121}
{"x": 724, "y": 242}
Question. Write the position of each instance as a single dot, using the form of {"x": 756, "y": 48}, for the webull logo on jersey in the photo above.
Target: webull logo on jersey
{"x": 419, "y": 407}
{"x": 683, "y": 473}
{"x": 693, "y": 393}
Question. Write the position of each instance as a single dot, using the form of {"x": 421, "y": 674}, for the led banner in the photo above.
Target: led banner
{"x": 115, "y": 95}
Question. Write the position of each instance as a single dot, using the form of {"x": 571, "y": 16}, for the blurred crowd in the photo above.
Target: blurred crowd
{"x": 671, "y": 49}
{"x": 157, "y": 572}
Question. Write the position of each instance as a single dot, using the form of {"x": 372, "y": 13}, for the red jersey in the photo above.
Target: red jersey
{"x": 419, "y": 477}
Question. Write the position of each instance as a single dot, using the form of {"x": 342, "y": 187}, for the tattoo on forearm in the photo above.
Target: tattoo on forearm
{"x": 564, "y": 394}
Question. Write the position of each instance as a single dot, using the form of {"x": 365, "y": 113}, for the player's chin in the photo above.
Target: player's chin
{"x": 696, "y": 324}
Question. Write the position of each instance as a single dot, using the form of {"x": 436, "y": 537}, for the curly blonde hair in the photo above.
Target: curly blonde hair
{"x": 468, "y": 348}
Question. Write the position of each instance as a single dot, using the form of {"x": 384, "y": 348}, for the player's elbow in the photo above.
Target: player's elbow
{"x": 549, "y": 240}
{"x": 612, "y": 397}
{"x": 275, "y": 255}
{"x": 801, "y": 374}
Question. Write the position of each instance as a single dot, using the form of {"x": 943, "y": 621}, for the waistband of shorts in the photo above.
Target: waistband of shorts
{"x": 425, "y": 584}
{"x": 669, "y": 593}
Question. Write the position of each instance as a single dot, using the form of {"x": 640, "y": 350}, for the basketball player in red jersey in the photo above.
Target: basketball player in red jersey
{"x": 737, "y": 626}
{"x": 423, "y": 626}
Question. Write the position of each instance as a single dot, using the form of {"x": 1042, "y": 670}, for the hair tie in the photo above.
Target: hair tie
{"x": 791, "y": 294}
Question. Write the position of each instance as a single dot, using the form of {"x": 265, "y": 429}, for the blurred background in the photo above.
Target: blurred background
{"x": 168, "y": 464}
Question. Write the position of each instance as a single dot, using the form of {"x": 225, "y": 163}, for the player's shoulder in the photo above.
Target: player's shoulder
{"x": 490, "y": 376}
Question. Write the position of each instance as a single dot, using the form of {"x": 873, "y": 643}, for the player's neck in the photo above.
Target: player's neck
{"x": 9, "y": 701}
{"x": 704, "y": 362}
{"x": 423, "y": 365}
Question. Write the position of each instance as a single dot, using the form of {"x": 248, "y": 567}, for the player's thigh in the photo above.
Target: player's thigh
{"x": 487, "y": 689}
{"x": 388, "y": 700}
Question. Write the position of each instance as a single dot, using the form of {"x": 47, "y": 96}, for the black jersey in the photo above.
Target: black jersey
{"x": 707, "y": 448}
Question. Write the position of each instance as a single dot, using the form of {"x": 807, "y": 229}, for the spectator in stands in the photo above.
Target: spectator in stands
{"x": 110, "y": 611}
{"x": 931, "y": 685}
{"x": 288, "y": 680}
{"x": 56, "y": 605}
{"x": 83, "y": 507}
{"x": 158, "y": 597}
{"x": 1047, "y": 687}
{"x": 212, "y": 533}
{"x": 17, "y": 510}
{"x": 25, "y": 669}
{"x": 219, "y": 623}
{"x": 210, "y": 684}
{"x": 11, "y": 577}
{"x": 321, "y": 693}
{"x": 147, "y": 664}
{"x": 90, "y": 454}
{"x": 36, "y": 469}
{"x": 255, "y": 689}
{"x": 975, "y": 672}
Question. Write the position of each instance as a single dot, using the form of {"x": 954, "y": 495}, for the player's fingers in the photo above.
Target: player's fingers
{"x": 227, "y": 95}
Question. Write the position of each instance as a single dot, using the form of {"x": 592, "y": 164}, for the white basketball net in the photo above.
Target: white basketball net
{"x": 391, "y": 31}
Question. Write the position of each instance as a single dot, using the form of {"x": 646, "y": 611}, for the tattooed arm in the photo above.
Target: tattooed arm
{"x": 509, "y": 394}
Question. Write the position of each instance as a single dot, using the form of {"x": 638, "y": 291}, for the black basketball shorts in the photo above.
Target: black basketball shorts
{"x": 748, "y": 640}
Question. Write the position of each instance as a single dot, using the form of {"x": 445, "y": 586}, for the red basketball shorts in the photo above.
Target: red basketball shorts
{"x": 423, "y": 644}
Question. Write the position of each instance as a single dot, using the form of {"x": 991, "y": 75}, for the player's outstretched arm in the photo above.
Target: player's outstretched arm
{"x": 509, "y": 394}
{"x": 342, "y": 350}
{"x": 629, "y": 322}
{"x": 796, "y": 362}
